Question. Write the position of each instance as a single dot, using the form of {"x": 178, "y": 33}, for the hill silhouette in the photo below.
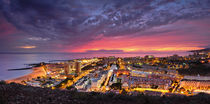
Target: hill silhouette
{"x": 19, "y": 94}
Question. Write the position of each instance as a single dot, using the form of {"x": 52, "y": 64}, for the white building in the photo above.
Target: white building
{"x": 96, "y": 82}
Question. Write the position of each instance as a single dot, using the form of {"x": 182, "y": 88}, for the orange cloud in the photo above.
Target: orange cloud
{"x": 177, "y": 49}
{"x": 27, "y": 47}
{"x": 142, "y": 43}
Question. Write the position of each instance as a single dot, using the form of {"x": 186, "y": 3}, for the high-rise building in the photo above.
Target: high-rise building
{"x": 69, "y": 67}
{"x": 78, "y": 66}
{"x": 66, "y": 69}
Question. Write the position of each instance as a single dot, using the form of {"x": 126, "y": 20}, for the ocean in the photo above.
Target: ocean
{"x": 14, "y": 61}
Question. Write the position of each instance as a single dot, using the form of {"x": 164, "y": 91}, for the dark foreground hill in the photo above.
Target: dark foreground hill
{"x": 19, "y": 94}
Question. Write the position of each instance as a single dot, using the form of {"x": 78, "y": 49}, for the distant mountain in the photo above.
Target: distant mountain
{"x": 206, "y": 49}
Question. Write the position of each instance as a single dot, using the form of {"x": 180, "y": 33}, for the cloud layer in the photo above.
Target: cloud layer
{"x": 60, "y": 25}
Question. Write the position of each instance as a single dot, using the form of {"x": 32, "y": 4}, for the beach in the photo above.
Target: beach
{"x": 39, "y": 71}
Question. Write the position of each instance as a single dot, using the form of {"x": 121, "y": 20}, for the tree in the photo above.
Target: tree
{"x": 2, "y": 82}
{"x": 154, "y": 86}
{"x": 124, "y": 92}
{"x": 116, "y": 86}
{"x": 170, "y": 89}
{"x": 71, "y": 88}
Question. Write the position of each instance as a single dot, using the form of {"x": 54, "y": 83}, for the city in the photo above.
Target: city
{"x": 156, "y": 76}
{"x": 105, "y": 52}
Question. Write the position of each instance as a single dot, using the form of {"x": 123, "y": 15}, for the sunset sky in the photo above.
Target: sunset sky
{"x": 104, "y": 26}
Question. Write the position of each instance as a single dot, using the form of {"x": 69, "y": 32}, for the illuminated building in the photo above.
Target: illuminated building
{"x": 195, "y": 82}
{"x": 78, "y": 66}
{"x": 113, "y": 79}
{"x": 148, "y": 56}
{"x": 121, "y": 64}
{"x": 113, "y": 67}
{"x": 201, "y": 54}
{"x": 139, "y": 73}
{"x": 125, "y": 85}
{"x": 121, "y": 72}
{"x": 145, "y": 82}
{"x": 69, "y": 67}
{"x": 96, "y": 82}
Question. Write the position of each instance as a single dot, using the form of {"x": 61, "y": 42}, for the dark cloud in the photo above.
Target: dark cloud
{"x": 75, "y": 22}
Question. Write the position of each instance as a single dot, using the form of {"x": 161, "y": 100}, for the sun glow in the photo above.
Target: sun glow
{"x": 27, "y": 47}
{"x": 164, "y": 43}
{"x": 177, "y": 49}
{"x": 143, "y": 49}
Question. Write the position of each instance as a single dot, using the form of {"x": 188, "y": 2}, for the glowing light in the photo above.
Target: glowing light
{"x": 53, "y": 88}
{"x": 149, "y": 89}
{"x": 148, "y": 49}
{"x": 27, "y": 47}
{"x": 177, "y": 49}
{"x": 164, "y": 42}
{"x": 129, "y": 49}
{"x": 84, "y": 61}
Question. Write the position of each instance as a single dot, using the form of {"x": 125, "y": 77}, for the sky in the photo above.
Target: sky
{"x": 104, "y": 26}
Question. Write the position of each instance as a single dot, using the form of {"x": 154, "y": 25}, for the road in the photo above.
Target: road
{"x": 107, "y": 80}
{"x": 70, "y": 83}
{"x": 149, "y": 89}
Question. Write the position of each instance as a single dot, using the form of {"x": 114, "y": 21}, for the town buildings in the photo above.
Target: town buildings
{"x": 149, "y": 74}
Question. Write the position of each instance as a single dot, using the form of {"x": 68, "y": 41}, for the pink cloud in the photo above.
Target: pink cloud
{"x": 177, "y": 39}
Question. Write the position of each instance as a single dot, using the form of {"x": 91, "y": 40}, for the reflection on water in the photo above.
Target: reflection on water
{"x": 13, "y": 61}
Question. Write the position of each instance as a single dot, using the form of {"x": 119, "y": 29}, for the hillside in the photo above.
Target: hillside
{"x": 19, "y": 94}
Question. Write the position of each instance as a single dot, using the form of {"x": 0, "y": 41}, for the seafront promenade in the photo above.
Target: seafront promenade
{"x": 38, "y": 71}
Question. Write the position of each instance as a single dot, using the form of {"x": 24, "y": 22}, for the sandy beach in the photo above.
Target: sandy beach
{"x": 39, "y": 71}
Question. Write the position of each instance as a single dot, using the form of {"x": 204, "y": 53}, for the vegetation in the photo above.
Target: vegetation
{"x": 137, "y": 66}
{"x": 16, "y": 93}
{"x": 124, "y": 92}
{"x": 116, "y": 86}
{"x": 101, "y": 63}
{"x": 88, "y": 67}
{"x": 195, "y": 69}
{"x": 72, "y": 88}
{"x": 63, "y": 82}
{"x": 2, "y": 82}
{"x": 154, "y": 86}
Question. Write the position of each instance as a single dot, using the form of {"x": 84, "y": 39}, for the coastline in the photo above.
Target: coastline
{"x": 39, "y": 71}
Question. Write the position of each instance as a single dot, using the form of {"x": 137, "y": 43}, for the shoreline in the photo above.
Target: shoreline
{"x": 39, "y": 71}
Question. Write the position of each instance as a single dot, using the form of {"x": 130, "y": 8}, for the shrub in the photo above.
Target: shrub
{"x": 2, "y": 82}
